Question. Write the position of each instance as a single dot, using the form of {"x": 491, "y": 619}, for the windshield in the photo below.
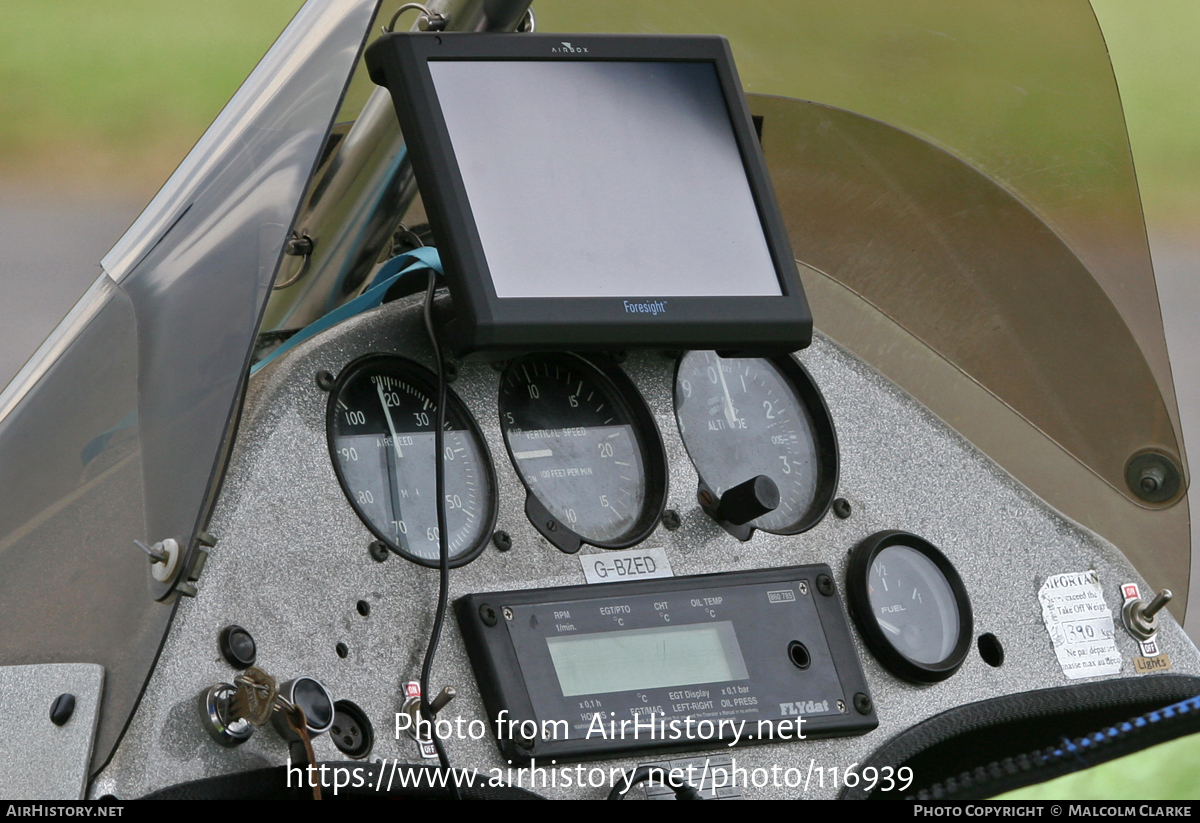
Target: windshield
{"x": 116, "y": 429}
{"x": 958, "y": 182}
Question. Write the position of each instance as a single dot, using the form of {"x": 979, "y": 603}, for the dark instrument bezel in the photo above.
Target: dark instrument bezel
{"x": 648, "y": 439}
{"x": 427, "y": 380}
{"x": 857, "y": 569}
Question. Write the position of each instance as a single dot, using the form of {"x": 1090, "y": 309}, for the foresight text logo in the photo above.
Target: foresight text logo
{"x": 655, "y": 307}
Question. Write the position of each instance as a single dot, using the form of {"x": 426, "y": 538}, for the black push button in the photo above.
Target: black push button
{"x": 237, "y": 647}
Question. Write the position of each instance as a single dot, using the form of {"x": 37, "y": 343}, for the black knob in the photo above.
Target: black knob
{"x": 62, "y": 708}
{"x": 314, "y": 698}
{"x": 748, "y": 500}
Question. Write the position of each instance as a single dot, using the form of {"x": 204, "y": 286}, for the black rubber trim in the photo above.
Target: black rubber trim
{"x": 271, "y": 784}
{"x": 990, "y": 732}
{"x": 1118, "y": 740}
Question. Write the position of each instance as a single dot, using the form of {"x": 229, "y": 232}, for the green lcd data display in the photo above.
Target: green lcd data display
{"x": 639, "y": 659}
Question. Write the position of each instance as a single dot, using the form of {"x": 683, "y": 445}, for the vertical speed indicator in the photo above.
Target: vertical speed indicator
{"x": 587, "y": 449}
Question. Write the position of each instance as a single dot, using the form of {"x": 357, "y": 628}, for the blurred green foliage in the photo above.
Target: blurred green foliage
{"x": 1169, "y": 771}
{"x": 1155, "y": 50}
{"x": 125, "y": 87}
{"x": 123, "y": 83}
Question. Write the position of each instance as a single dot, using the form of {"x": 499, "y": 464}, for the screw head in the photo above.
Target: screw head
{"x": 507, "y": 612}
{"x": 841, "y": 508}
{"x": 671, "y": 520}
{"x": 487, "y": 614}
{"x": 551, "y": 526}
{"x": 62, "y": 708}
{"x": 1153, "y": 477}
{"x": 825, "y": 584}
{"x": 501, "y": 540}
{"x": 325, "y": 380}
{"x": 378, "y": 551}
{"x": 862, "y": 703}
{"x": 803, "y": 587}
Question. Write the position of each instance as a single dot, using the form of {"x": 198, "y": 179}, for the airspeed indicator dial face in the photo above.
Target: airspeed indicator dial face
{"x": 745, "y": 417}
{"x": 380, "y": 424}
{"x": 581, "y": 448}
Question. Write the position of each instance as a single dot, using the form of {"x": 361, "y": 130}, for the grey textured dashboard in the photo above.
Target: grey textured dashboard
{"x": 44, "y": 759}
{"x": 292, "y": 563}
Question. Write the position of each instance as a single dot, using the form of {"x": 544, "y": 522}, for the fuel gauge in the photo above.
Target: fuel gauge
{"x": 910, "y": 605}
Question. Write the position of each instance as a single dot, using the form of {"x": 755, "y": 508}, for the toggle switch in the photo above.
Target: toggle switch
{"x": 1141, "y": 618}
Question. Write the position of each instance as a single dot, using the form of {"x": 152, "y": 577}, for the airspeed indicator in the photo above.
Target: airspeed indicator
{"x": 380, "y": 425}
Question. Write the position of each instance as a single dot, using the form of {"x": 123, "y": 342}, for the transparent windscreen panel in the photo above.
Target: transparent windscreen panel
{"x": 958, "y": 185}
{"x": 364, "y": 189}
{"x": 116, "y": 428}
{"x": 1024, "y": 92}
{"x": 965, "y": 267}
{"x": 199, "y": 263}
{"x": 73, "y": 586}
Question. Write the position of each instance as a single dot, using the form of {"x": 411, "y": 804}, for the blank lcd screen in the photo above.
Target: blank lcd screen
{"x": 604, "y": 179}
{"x": 636, "y": 659}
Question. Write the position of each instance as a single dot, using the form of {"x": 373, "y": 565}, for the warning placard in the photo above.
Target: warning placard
{"x": 1080, "y": 624}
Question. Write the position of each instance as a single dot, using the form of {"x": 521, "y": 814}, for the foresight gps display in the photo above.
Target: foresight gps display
{"x": 594, "y": 192}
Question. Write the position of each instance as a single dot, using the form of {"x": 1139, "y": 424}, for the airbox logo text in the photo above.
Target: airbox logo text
{"x": 567, "y": 48}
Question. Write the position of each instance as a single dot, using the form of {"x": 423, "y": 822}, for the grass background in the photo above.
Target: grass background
{"x": 113, "y": 94}
{"x": 108, "y": 97}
